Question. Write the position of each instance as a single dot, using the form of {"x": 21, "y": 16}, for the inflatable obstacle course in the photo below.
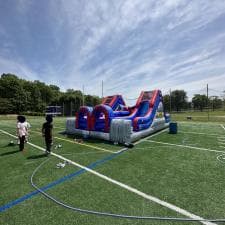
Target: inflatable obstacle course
{"x": 114, "y": 121}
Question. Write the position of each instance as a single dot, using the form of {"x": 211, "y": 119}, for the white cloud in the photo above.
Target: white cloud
{"x": 11, "y": 66}
{"x": 130, "y": 45}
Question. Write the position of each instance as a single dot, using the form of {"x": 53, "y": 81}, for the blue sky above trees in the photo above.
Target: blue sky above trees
{"x": 131, "y": 45}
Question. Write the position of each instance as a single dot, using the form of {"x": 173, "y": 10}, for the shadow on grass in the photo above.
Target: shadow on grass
{"x": 9, "y": 153}
{"x": 90, "y": 140}
{"x": 37, "y": 156}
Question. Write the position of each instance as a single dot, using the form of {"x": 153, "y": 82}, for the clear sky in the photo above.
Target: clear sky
{"x": 131, "y": 45}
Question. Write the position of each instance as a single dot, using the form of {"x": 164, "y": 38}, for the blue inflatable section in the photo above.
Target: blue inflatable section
{"x": 119, "y": 102}
{"x": 103, "y": 115}
{"x": 145, "y": 121}
{"x": 83, "y": 118}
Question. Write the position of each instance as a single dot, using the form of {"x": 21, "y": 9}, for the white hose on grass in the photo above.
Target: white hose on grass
{"x": 114, "y": 215}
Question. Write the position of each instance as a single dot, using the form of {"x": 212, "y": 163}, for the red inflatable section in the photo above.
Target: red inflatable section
{"x": 98, "y": 111}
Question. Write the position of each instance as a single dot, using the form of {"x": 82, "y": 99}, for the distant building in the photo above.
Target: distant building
{"x": 53, "y": 110}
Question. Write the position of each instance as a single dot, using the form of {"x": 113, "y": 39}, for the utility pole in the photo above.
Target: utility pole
{"x": 102, "y": 89}
{"x": 83, "y": 96}
{"x": 207, "y": 89}
{"x": 71, "y": 108}
{"x": 224, "y": 100}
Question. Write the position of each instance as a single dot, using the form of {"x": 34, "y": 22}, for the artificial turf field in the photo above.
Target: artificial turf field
{"x": 186, "y": 170}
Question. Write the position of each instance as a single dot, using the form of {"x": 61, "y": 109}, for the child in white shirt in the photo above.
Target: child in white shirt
{"x": 21, "y": 131}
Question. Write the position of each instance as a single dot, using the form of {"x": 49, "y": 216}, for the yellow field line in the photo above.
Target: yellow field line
{"x": 90, "y": 146}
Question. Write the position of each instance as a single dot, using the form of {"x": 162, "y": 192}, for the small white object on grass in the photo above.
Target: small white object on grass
{"x": 58, "y": 146}
{"x": 60, "y": 165}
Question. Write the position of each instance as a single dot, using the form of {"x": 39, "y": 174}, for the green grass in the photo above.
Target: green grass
{"x": 205, "y": 116}
{"x": 188, "y": 178}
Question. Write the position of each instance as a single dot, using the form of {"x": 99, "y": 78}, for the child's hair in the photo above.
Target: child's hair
{"x": 21, "y": 119}
{"x": 49, "y": 118}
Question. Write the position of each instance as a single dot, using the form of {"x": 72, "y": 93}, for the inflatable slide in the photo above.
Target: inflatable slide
{"x": 113, "y": 120}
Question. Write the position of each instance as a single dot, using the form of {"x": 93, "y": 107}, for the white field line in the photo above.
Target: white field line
{"x": 186, "y": 146}
{"x": 59, "y": 127}
{"x": 187, "y": 132}
{"x": 221, "y": 143}
{"x": 198, "y": 123}
{"x": 143, "y": 139}
{"x": 28, "y": 163}
{"x": 221, "y": 137}
{"x": 222, "y": 126}
{"x": 131, "y": 189}
{"x": 82, "y": 153}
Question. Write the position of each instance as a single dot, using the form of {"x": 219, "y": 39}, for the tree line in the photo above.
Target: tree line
{"x": 177, "y": 101}
{"x": 31, "y": 97}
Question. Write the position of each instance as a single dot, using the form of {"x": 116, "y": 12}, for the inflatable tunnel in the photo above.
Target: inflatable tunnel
{"x": 101, "y": 118}
{"x": 83, "y": 118}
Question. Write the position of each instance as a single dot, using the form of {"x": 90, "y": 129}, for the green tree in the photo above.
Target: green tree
{"x": 199, "y": 101}
{"x": 166, "y": 102}
{"x": 215, "y": 102}
{"x": 11, "y": 89}
{"x": 179, "y": 100}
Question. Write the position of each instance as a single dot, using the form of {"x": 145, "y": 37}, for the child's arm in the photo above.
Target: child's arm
{"x": 43, "y": 131}
{"x": 17, "y": 129}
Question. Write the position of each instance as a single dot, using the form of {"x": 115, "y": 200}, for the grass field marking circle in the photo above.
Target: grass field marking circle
{"x": 185, "y": 146}
{"x": 221, "y": 158}
{"x": 131, "y": 189}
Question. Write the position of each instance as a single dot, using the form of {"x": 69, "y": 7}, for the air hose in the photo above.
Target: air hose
{"x": 114, "y": 215}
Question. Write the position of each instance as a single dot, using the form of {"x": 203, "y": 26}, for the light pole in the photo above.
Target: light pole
{"x": 224, "y": 100}
{"x": 83, "y": 96}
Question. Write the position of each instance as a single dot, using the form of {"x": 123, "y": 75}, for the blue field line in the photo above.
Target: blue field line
{"x": 59, "y": 181}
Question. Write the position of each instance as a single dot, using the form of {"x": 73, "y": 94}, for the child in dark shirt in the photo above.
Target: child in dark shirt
{"x": 47, "y": 133}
